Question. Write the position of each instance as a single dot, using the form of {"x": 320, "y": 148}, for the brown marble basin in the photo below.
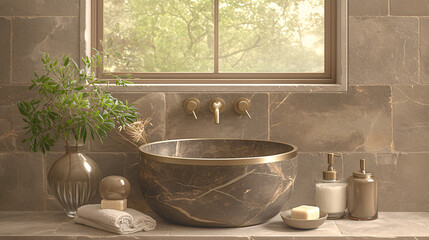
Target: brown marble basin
{"x": 217, "y": 182}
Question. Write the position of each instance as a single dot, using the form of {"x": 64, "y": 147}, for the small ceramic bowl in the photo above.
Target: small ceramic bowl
{"x": 301, "y": 223}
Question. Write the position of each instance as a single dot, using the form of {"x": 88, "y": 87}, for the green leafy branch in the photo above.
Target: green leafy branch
{"x": 72, "y": 104}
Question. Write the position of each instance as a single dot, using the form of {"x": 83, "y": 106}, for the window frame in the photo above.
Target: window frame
{"x": 334, "y": 78}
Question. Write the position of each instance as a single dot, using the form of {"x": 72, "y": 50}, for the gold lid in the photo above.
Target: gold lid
{"x": 362, "y": 173}
{"x": 331, "y": 173}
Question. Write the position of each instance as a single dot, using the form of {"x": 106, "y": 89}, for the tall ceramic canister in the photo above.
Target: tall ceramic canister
{"x": 362, "y": 199}
{"x": 331, "y": 192}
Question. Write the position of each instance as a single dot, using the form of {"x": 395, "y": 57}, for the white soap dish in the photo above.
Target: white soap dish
{"x": 302, "y": 223}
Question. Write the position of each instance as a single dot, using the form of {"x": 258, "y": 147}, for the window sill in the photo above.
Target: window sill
{"x": 230, "y": 88}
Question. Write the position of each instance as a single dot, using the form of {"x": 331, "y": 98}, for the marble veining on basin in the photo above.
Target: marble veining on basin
{"x": 217, "y": 182}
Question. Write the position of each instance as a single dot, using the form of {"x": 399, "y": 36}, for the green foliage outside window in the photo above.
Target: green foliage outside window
{"x": 178, "y": 36}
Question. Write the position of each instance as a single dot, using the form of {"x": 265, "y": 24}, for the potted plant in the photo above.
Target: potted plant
{"x": 71, "y": 104}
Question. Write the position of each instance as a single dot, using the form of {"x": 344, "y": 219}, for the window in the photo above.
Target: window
{"x": 218, "y": 41}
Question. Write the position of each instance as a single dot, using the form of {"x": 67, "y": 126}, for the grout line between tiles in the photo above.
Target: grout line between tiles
{"x": 392, "y": 145}
{"x": 80, "y": 31}
{"x": 338, "y": 229}
{"x": 45, "y": 180}
{"x": 44, "y": 165}
{"x": 419, "y": 57}
{"x": 389, "y": 7}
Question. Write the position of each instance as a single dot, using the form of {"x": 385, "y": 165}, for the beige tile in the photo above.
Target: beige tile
{"x": 11, "y": 126}
{"x": 132, "y": 169}
{"x": 410, "y": 117}
{"x": 33, "y": 36}
{"x": 409, "y": 7}
{"x": 151, "y": 106}
{"x": 368, "y": 7}
{"x": 424, "y": 50}
{"x": 30, "y": 224}
{"x": 21, "y": 182}
{"x": 109, "y": 163}
{"x": 274, "y": 228}
{"x": 383, "y": 50}
{"x": 232, "y": 125}
{"x": 10, "y": 95}
{"x": 409, "y": 190}
{"x": 52, "y": 205}
{"x": 359, "y": 120}
{"x": 39, "y": 8}
{"x": 388, "y": 225}
{"x": 4, "y": 50}
{"x": 7, "y": 134}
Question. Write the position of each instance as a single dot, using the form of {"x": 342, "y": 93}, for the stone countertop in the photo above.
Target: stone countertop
{"x": 55, "y": 225}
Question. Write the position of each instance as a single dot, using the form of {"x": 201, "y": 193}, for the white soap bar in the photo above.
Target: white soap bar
{"x": 305, "y": 212}
{"x": 114, "y": 204}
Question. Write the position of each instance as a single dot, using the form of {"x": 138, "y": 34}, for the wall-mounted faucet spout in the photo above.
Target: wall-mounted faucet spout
{"x": 217, "y": 106}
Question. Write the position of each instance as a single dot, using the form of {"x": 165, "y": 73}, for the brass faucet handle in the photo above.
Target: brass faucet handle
{"x": 192, "y": 106}
{"x": 242, "y": 106}
{"x": 248, "y": 114}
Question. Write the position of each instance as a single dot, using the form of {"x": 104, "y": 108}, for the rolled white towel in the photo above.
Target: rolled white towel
{"x": 120, "y": 222}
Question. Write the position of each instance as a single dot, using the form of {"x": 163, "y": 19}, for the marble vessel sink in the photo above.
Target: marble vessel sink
{"x": 217, "y": 182}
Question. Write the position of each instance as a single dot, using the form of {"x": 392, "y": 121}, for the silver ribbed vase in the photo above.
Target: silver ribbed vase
{"x": 74, "y": 179}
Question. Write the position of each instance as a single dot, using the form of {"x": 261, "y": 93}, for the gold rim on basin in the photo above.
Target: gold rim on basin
{"x": 218, "y": 161}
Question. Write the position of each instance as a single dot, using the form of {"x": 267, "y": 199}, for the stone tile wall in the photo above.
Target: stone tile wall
{"x": 384, "y": 116}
